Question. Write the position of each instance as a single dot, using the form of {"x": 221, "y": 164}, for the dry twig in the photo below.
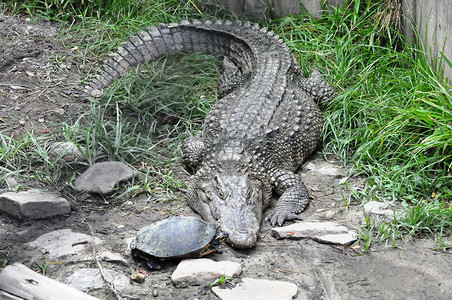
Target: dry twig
{"x": 99, "y": 266}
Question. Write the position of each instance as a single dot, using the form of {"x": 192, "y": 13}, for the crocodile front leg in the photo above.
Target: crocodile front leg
{"x": 294, "y": 197}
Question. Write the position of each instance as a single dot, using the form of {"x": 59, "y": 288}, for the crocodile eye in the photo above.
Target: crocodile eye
{"x": 220, "y": 192}
{"x": 247, "y": 193}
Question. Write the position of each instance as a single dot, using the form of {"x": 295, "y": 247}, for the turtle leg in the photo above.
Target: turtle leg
{"x": 212, "y": 247}
{"x": 153, "y": 264}
{"x": 206, "y": 251}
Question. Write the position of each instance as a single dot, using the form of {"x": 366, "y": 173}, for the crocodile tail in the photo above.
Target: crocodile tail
{"x": 155, "y": 42}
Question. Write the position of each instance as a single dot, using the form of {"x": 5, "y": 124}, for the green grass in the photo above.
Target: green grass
{"x": 391, "y": 119}
{"x": 144, "y": 116}
{"x": 4, "y": 253}
{"x": 220, "y": 281}
{"x": 27, "y": 159}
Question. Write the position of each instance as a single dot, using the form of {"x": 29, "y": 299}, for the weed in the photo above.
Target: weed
{"x": 391, "y": 116}
{"x": 220, "y": 281}
{"x": 44, "y": 267}
{"x": 144, "y": 116}
{"x": 431, "y": 217}
{"x": 4, "y": 253}
{"x": 365, "y": 235}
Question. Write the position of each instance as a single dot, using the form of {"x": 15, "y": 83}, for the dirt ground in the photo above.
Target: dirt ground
{"x": 40, "y": 87}
{"x": 39, "y": 77}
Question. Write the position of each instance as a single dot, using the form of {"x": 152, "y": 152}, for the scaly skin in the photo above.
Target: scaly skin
{"x": 264, "y": 126}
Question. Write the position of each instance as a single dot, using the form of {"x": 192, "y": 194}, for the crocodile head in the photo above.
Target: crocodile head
{"x": 235, "y": 204}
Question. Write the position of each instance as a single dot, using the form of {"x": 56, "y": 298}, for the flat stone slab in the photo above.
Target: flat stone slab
{"x": 378, "y": 208}
{"x": 203, "y": 271}
{"x": 65, "y": 243}
{"x": 261, "y": 289}
{"x": 103, "y": 177}
{"x": 324, "y": 168}
{"x": 20, "y": 282}
{"x": 113, "y": 257}
{"x": 33, "y": 204}
{"x": 323, "y": 232}
{"x": 85, "y": 279}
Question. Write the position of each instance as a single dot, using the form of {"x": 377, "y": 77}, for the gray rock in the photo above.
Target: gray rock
{"x": 324, "y": 168}
{"x": 203, "y": 271}
{"x": 66, "y": 151}
{"x": 378, "y": 208}
{"x": 85, "y": 279}
{"x": 329, "y": 214}
{"x": 128, "y": 242}
{"x": 323, "y": 232}
{"x": 261, "y": 289}
{"x": 113, "y": 257}
{"x": 103, "y": 177}
{"x": 352, "y": 218}
{"x": 33, "y": 204}
{"x": 65, "y": 243}
{"x": 3, "y": 231}
{"x": 11, "y": 182}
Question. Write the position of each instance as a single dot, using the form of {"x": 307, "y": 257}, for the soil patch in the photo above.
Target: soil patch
{"x": 40, "y": 77}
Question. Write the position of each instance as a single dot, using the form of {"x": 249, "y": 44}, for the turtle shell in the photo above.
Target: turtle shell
{"x": 174, "y": 237}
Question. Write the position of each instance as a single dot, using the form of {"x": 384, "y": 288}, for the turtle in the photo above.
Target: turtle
{"x": 175, "y": 238}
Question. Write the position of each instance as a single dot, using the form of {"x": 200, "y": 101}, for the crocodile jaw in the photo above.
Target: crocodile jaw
{"x": 234, "y": 204}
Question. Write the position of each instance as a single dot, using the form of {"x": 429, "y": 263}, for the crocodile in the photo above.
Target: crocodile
{"x": 262, "y": 128}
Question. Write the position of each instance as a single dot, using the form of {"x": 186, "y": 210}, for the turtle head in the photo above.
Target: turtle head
{"x": 219, "y": 238}
{"x": 234, "y": 203}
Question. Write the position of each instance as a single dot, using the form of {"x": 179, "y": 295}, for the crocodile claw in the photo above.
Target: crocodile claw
{"x": 278, "y": 217}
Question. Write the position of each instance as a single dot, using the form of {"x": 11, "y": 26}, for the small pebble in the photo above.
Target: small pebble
{"x": 155, "y": 293}
{"x": 329, "y": 214}
{"x": 137, "y": 277}
{"x": 96, "y": 93}
{"x": 11, "y": 183}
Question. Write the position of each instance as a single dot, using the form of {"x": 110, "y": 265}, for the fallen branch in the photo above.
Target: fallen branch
{"x": 101, "y": 269}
